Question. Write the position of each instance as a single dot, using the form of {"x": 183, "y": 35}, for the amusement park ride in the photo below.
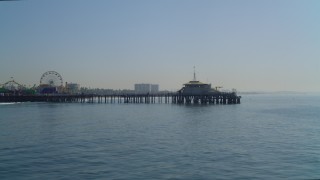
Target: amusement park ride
{"x": 13, "y": 87}
{"x": 51, "y": 82}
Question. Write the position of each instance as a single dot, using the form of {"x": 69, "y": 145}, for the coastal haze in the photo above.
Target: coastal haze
{"x": 247, "y": 45}
{"x": 168, "y": 89}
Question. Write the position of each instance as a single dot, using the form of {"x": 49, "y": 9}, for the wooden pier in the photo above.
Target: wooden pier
{"x": 176, "y": 98}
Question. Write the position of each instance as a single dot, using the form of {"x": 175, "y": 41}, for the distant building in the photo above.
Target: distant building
{"x": 142, "y": 88}
{"x": 154, "y": 88}
{"x": 146, "y": 88}
{"x": 72, "y": 88}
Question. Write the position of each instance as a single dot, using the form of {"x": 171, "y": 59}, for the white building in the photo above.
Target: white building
{"x": 72, "y": 88}
{"x": 146, "y": 88}
{"x": 154, "y": 88}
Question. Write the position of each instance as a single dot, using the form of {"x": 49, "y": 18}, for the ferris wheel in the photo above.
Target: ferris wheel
{"x": 51, "y": 78}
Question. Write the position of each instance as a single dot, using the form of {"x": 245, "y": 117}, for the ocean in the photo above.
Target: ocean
{"x": 267, "y": 136}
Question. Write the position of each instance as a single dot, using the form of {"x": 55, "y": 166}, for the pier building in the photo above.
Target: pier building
{"x": 72, "y": 88}
{"x": 195, "y": 87}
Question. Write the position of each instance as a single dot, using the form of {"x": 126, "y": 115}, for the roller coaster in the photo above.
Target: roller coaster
{"x": 13, "y": 87}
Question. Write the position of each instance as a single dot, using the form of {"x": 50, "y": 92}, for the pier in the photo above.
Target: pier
{"x": 51, "y": 90}
{"x": 175, "y": 98}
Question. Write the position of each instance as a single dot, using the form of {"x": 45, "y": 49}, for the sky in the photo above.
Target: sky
{"x": 249, "y": 45}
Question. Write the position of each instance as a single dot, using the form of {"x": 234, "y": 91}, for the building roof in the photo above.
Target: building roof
{"x": 195, "y": 83}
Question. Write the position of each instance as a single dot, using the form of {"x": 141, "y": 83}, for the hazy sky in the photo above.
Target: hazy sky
{"x": 253, "y": 45}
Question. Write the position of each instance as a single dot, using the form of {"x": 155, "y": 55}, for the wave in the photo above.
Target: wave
{"x": 10, "y": 103}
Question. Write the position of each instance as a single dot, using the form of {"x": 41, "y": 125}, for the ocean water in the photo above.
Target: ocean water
{"x": 264, "y": 137}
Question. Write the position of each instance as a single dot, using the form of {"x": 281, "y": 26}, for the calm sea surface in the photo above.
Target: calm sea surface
{"x": 265, "y": 137}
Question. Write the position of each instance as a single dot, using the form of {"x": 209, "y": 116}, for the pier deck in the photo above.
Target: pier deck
{"x": 176, "y": 98}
